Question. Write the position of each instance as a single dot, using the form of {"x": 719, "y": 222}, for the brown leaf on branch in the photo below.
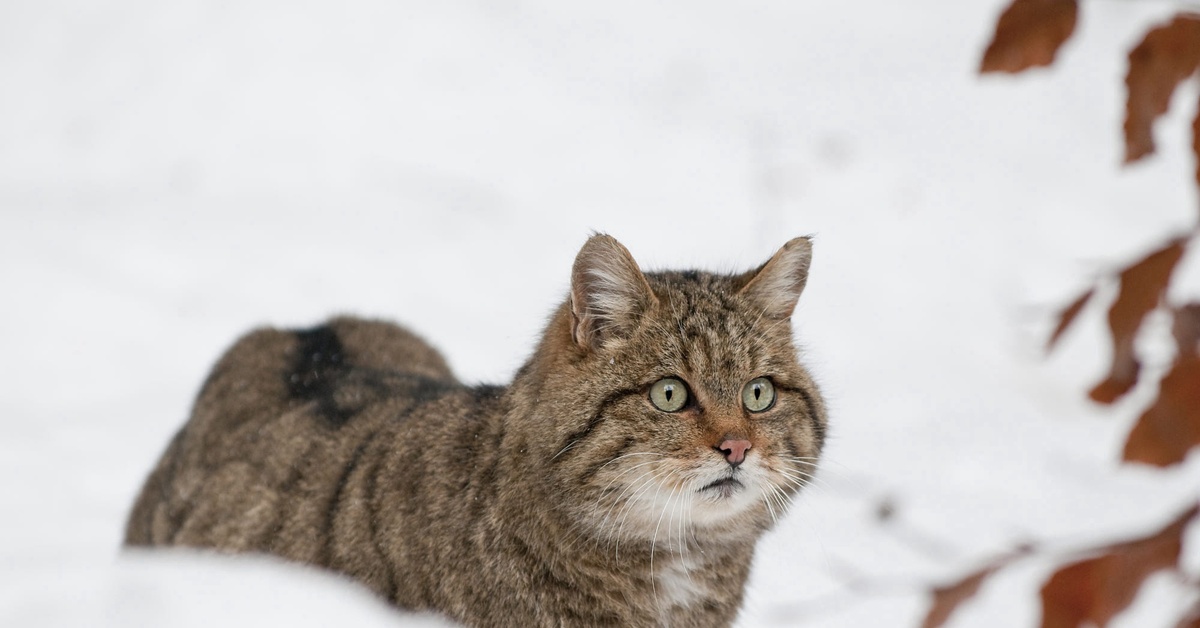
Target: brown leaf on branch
{"x": 1142, "y": 286}
{"x": 1169, "y": 428}
{"x": 1186, "y": 330}
{"x": 1028, "y": 34}
{"x": 948, "y": 598}
{"x": 1068, "y": 316}
{"x": 1167, "y": 55}
{"x": 1191, "y": 619}
{"x": 1196, "y": 141}
{"x": 1096, "y": 589}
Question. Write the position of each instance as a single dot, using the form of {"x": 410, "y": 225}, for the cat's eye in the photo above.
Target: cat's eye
{"x": 668, "y": 394}
{"x": 758, "y": 395}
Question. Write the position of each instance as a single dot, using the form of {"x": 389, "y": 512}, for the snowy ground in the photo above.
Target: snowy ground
{"x": 173, "y": 173}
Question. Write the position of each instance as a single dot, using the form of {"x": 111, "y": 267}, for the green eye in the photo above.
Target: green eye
{"x": 668, "y": 394}
{"x": 759, "y": 394}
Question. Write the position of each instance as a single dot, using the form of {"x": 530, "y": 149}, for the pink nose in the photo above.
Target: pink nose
{"x": 734, "y": 450}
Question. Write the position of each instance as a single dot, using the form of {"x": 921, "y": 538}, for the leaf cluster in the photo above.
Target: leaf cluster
{"x": 1098, "y": 583}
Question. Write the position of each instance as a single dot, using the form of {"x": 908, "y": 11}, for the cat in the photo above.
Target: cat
{"x": 662, "y": 424}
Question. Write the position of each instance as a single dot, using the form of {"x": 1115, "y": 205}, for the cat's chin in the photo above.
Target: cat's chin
{"x": 719, "y": 500}
{"x": 718, "y": 508}
{"x": 723, "y": 487}
{"x": 707, "y": 499}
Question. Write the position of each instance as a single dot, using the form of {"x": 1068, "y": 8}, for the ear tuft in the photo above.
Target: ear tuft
{"x": 608, "y": 292}
{"x": 776, "y": 285}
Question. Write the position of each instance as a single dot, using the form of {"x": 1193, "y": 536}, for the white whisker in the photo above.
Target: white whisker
{"x": 767, "y": 502}
{"x": 628, "y": 506}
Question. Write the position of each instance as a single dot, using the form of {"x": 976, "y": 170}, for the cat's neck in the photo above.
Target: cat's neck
{"x": 553, "y": 352}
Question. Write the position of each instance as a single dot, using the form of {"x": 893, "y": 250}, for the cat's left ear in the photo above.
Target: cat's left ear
{"x": 776, "y": 285}
{"x": 609, "y": 293}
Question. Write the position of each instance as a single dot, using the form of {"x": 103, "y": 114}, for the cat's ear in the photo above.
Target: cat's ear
{"x": 776, "y": 285}
{"x": 608, "y": 292}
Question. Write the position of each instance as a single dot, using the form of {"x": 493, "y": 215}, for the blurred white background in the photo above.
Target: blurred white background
{"x": 173, "y": 173}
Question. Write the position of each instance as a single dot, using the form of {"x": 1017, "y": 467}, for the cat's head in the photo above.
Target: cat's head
{"x": 676, "y": 398}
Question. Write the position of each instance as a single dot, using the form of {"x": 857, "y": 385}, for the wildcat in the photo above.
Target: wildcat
{"x": 661, "y": 425}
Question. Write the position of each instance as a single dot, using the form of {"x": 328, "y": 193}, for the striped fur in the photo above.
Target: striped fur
{"x": 565, "y": 498}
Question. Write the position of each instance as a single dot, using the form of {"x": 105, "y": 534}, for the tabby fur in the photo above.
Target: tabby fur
{"x": 564, "y": 499}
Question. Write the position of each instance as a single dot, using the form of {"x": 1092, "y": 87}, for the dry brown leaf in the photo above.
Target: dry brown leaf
{"x": 1191, "y": 619}
{"x": 1167, "y": 55}
{"x": 948, "y": 598}
{"x": 1142, "y": 286}
{"x": 1028, "y": 34}
{"x": 1169, "y": 428}
{"x": 1196, "y": 141}
{"x": 1068, "y": 316}
{"x": 1115, "y": 386}
{"x": 1186, "y": 329}
{"x": 1096, "y": 589}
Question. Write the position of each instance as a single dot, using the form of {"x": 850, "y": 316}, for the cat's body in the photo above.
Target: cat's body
{"x": 579, "y": 495}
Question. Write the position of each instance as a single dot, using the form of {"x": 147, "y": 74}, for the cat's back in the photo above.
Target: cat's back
{"x": 341, "y": 367}
{"x": 283, "y": 414}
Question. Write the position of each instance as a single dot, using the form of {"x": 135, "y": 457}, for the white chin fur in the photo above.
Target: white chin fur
{"x": 715, "y": 506}
{"x": 667, "y": 510}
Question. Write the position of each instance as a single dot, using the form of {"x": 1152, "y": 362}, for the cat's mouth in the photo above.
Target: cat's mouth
{"x": 725, "y": 486}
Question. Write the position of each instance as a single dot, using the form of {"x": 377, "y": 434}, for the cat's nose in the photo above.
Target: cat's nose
{"x": 734, "y": 450}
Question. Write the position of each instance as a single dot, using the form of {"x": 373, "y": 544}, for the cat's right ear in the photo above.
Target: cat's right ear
{"x": 609, "y": 293}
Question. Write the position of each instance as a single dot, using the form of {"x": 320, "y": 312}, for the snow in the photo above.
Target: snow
{"x": 175, "y": 588}
{"x": 174, "y": 173}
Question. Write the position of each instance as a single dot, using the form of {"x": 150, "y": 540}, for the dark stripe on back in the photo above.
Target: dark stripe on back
{"x": 322, "y": 372}
{"x": 373, "y": 523}
{"x": 320, "y": 360}
{"x": 288, "y": 507}
{"x": 423, "y": 388}
{"x": 335, "y": 503}
{"x": 486, "y": 392}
